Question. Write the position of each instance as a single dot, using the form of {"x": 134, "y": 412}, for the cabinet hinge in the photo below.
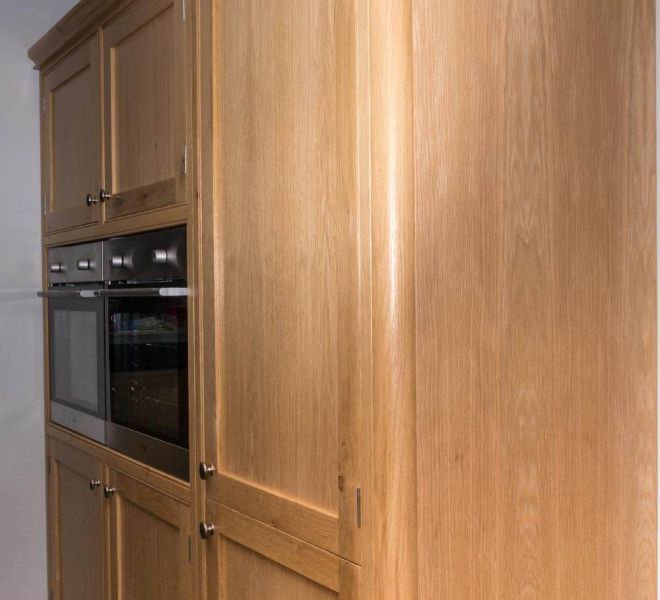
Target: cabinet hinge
{"x": 189, "y": 549}
{"x": 358, "y": 502}
{"x": 184, "y": 16}
{"x": 43, "y": 104}
{"x": 184, "y": 160}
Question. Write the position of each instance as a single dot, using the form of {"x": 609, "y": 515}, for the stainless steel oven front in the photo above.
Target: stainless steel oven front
{"x": 118, "y": 345}
{"x": 147, "y": 348}
{"x": 76, "y": 334}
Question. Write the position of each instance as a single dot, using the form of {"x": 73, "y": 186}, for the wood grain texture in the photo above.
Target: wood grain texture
{"x": 394, "y": 527}
{"x": 145, "y": 111}
{"x": 296, "y": 555}
{"x": 279, "y": 564}
{"x": 251, "y": 576}
{"x": 77, "y": 529}
{"x": 150, "y": 543}
{"x": 71, "y": 138}
{"x": 317, "y": 527}
{"x": 535, "y": 299}
{"x": 288, "y": 312}
{"x": 71, "y": 28}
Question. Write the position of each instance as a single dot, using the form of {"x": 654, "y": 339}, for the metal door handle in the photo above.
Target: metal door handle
{"x": 68, "y": 293}
{"x": 109, "y": 491}
{"x": 141, "y": 292}
{"x": 93, "y": 484}
{"x": 206, "y": 470}
{"x": 206, "y": 530}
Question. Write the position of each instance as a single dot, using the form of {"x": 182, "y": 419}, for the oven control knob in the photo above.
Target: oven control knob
{"x": 57, "y": 268}
{"x": 117, "y": 261}
{"x": 84, "y": 264}
{"x": 159, "y": 257}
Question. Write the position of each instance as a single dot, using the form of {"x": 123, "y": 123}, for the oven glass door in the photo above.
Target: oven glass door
{"x": 148, "y": 366}
{"x": 76, "y": 353}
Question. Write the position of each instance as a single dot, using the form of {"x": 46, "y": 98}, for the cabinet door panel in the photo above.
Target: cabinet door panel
{"x": 150, "y": 543}
{"x": 253, "y": 561}
{"x": 145, "y": 107}
{"x": 290, "y": 327}
{"x": 77, "y": 525}
{"x": 71, "y": 138}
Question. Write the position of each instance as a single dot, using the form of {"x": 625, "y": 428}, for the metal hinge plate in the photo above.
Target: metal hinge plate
{"x": 184, "y": 161}
{"x": 43, "y": 104}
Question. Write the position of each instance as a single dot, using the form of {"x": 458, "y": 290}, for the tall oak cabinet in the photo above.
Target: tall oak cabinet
{"x": 422, "y": 271}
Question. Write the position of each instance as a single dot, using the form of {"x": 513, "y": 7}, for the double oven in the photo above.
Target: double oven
{"x": 118, "y": 344}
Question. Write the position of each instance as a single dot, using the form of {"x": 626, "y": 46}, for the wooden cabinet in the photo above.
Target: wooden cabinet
{"x": 113, "y": 536}
{"x": 145, "y": 91}
{"x": 71, "y": 139}
{"x": 150, "y": 542}
{"x": 422, "y": 308}
{"x": 130, "y": 86}
{"x": 77, "y": 525}
{"x": 292, "y": 327}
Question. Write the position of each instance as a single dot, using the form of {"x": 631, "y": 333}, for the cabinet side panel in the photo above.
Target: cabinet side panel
{"x": 535, "y": 298}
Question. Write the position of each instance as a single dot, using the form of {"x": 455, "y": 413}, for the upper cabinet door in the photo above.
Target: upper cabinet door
{"x": 145, "y": 83}
{"x": 293, "y": 308}
{"x": 71, "y": 139}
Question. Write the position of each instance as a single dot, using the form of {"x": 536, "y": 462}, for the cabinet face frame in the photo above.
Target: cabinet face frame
{"x": 168, "y": 511}
{"x": 338, "y": 530}
{"x": 64, "y": 456}
{"x": 87, "y": 56}
{"x": 169, "y": 190}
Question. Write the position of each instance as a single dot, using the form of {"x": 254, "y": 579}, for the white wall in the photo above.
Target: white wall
{"x": 22, "y": 476}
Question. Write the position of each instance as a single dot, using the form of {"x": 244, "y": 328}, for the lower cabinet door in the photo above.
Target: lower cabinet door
{"x": 77, "y": 528}
{"x": 150, "y": 542}
{"x": 248, "y": 560}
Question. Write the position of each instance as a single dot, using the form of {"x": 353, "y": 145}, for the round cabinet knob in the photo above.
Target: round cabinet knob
{"x": 93, "y": 484}
{"x": 117, "y": 261}
{"x": 206, "y": 470}
{"x": 109, "y": 491}
{"x": 90, "y": 199}
{"x": 84, "y": 264}
{"x": 159, "y": 257}
{"x": 206, "y": 530}
{"x": 56, "y": 268}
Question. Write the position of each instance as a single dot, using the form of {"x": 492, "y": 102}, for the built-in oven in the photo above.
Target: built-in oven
{"x": 76, "y": 338}
{"x": 118, "y": 344}
{"x": 147, "y": 348}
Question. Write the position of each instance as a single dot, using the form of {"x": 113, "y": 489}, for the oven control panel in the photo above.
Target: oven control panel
{"x": 81, "y": 263}
{"x": 157, "y": 255}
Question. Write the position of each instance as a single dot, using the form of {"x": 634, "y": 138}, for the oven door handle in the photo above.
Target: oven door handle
{"x": 144, "y": 292}
{"x": 68, "y": 293}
